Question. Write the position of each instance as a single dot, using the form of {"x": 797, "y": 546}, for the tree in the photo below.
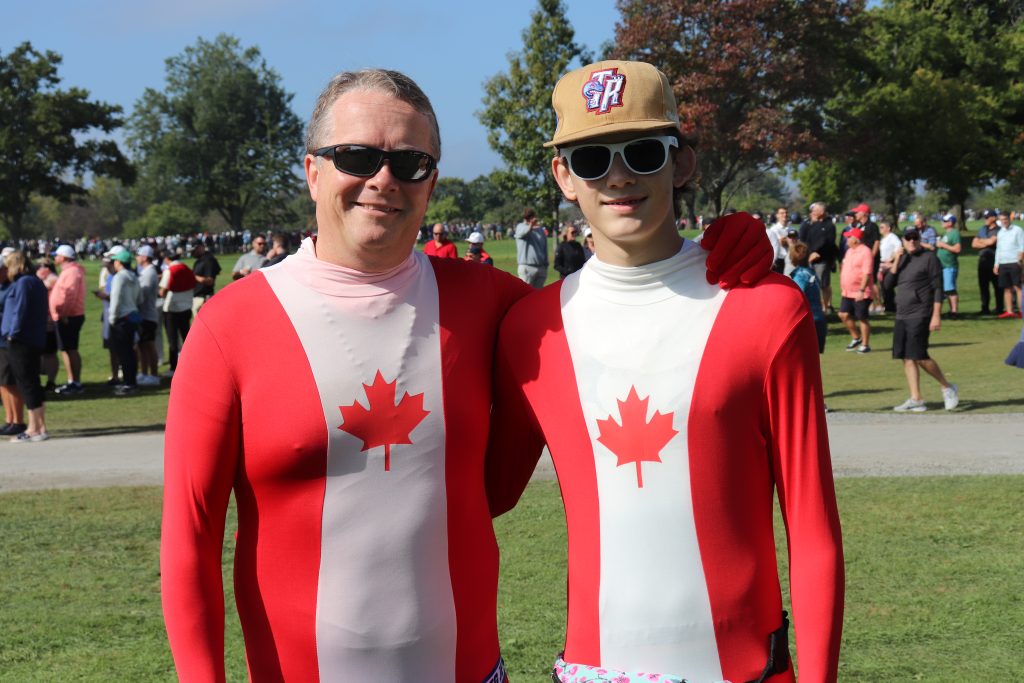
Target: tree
{"x": 749, "y": 76}
{"x": 45, "y": 143}
{"x": 163, "y": 218}
{"x": 222, "y": 130}
{"x": 517, "y": 106}
{"x": 934, "y": 95}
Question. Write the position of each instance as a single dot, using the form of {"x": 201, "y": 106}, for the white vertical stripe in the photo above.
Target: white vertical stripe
{"x": 385, "y": 609}
{"x": 654, "y": 607}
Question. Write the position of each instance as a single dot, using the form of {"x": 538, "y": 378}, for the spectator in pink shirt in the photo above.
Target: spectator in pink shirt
{"x": 855, "y": 283}
{"x": 67, "y": 310}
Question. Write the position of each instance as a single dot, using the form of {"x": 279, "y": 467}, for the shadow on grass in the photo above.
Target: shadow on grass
{"x": 967, "y": 406}
{"x": 108, "y": 430}
{"x": 854, "y": 392}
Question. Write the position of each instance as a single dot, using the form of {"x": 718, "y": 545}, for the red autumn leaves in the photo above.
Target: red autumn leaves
{"x": 385, "y": 423}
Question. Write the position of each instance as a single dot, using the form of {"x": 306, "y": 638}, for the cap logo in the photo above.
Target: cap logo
{"x": 604, "y": 90}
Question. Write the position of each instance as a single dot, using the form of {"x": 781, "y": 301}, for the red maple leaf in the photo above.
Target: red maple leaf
{"x": 636, "y": 439}
{"x": 385, "y": 423}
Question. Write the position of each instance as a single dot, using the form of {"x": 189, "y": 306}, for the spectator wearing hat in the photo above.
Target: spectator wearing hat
{"x": 440, "y": 246}
{"x": 124, "y": 317}
{"x": 918, "y": 313}
{"x": 569, "y": 255}
{"x": 588, "y": 243}
{"x": 14, "y": 406}
{"x": 985, "y": 244}
{"x": 67, "y": 310}
{"x": 476, "y": 249}
{"x": 23, "y": 328}
{"x": 857, "y": 291}
{"x": 149, "y": 287}
{"x": 948, "y": 250}
{"x": 1009, "y": 256}
{"x": 862, "y": 218}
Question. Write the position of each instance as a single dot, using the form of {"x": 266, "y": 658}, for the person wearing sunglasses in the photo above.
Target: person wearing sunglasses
{"x": 251, "y": 260}
{"x": 343, "y": 396}
{"x": 673, "y": 411}
{"x": 440, "y": 246}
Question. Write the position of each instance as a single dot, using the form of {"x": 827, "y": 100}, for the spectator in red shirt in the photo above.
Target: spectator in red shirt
{"x": 440, "y": 246}
{"x": 855, "y": 282}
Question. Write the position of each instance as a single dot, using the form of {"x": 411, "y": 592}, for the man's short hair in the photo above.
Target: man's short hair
{"x": 529, "y": 214}
{"x": 821, "y": 204}
{"x": 393, "y": 83}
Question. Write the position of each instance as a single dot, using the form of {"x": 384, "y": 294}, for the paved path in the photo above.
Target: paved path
{"x": 863, "y": 444}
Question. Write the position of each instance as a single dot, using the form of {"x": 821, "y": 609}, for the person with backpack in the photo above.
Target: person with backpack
{"x": 177, "y": 284}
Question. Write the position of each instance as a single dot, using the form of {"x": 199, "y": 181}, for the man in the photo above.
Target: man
{"x": 67, "y": 310}
{"x": 985, "y": 243}
{"x": 251, "y": 260}
{"x": 205, "y": 269}
{"x": 918, "y": 313}
{"x": 779, "y": 230}
{"x": 671, "y": 410}
{"x": 929, "y": 238}
{"x": 862, "y": 219}
{"x": 176, "y": 290}
{"x": 278, "y": 249}
{"x": 476, "y": 249}
{"x": 1009, "y": 256}
{"x": 947, "y": 249}
{"x": 855, "y": 281}
{"x": 149, "y": 287}
{"x": 123, "y": 318}
{"x": 818, "y": 232}
{"x": 440, "y": 246}
{"x": 532, "y": 250}
{"x": 889, "y": 246}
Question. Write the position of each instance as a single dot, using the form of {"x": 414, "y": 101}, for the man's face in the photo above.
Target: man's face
{"x": 59, "y": 260}
{"x": 817, "y": 211}
{"x": 438, "y": 233}
{"x": 919, "y": 221}
{"x": 911, "y": 245}
{"x": 782, "y": 216}
{"x": 861, "y": 217}
{"x": 1003, "y": 221}
{"x": 623, "y": 206}
{"x": 259, "y": 245}
{"x": 947, "y": 226}
{"x": 370, "y": 224}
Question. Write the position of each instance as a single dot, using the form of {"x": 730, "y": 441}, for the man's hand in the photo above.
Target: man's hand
{"x": 740, "y": 252}
{"x": 935, "y": 324}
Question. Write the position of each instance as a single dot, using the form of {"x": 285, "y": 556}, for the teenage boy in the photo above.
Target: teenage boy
{"x": 673, "y": 411}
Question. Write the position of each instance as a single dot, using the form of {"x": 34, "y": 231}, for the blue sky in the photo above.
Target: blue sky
{"x": 116, "y": 48}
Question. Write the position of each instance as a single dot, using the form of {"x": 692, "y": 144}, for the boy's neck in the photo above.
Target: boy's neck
{"x": 662, "y": 245}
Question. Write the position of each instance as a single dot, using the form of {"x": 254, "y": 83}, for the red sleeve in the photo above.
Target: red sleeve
{"x": 515, "y": 442}
{"x": 803, "y": 473}
{"x": 200, "y": 456}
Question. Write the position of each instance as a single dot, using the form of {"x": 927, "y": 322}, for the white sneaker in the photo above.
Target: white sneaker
{"x": 913, "y": 405}
{"x": 950, "y": 397}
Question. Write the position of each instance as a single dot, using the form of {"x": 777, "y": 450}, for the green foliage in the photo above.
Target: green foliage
{"x": 935, "y": 94}
{"x": 443, "y": 210}
{"x": 46, "y": 136}
{"x": 164, "y": 218}
{"x": 517, "y": 107}
{"x": 222, "y": 130}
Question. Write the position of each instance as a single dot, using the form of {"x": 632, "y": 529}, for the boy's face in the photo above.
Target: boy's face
{"x": 622, "y": 206}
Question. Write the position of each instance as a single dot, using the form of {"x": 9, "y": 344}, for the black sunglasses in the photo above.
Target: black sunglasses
{"x": 643, "y": 156}
{"x": 407, "y": 165}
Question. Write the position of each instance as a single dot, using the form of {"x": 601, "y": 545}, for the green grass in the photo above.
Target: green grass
{"x": 935, "y": 580}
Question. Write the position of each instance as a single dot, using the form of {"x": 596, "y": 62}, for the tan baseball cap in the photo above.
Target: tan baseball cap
{"x": 611, "y": 97}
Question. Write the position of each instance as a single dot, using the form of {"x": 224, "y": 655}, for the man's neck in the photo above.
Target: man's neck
{"x": 663, "y": 245}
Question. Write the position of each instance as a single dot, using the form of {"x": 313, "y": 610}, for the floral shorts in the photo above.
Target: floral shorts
{"x": 566, "y": 672}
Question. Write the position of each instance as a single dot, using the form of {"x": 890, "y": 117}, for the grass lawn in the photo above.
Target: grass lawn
{"x": 935, "y": 580}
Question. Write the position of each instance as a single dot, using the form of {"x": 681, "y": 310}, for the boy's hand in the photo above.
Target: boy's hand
{"x": 740, "y": 252}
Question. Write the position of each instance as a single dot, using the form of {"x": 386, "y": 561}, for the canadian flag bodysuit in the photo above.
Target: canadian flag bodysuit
{"x": 673, "y": 410}
{"x": 349, "y": 415}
